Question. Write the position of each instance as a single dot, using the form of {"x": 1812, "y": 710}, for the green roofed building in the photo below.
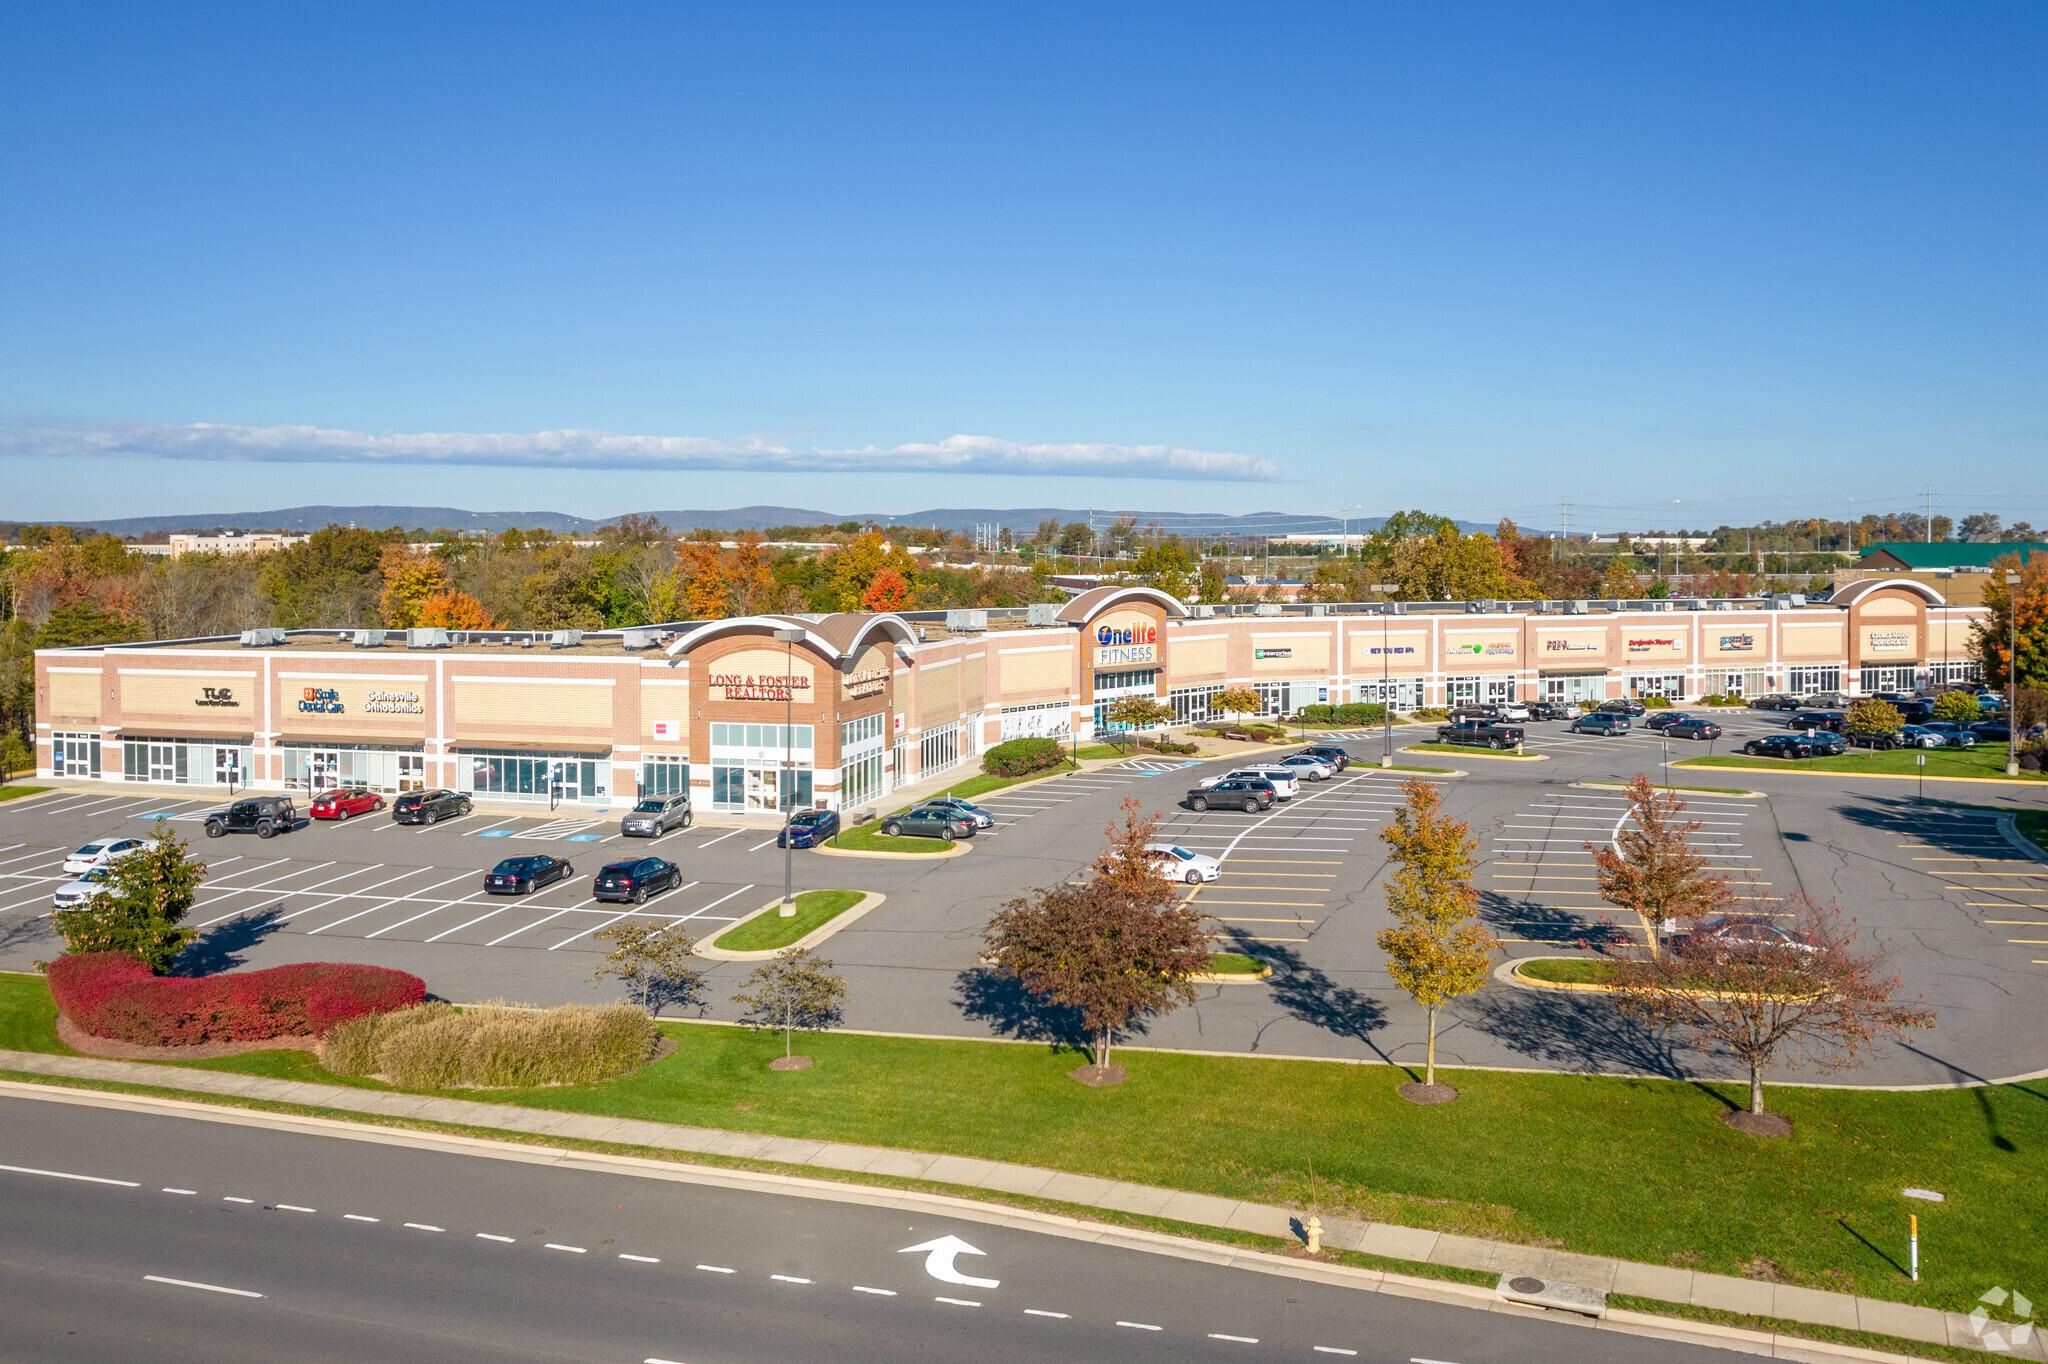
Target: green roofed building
{"x": 1956, "y": 569}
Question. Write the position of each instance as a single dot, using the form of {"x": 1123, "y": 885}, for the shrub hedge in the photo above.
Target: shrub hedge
{"x": 489, "y": 1047}
{"x": 1022, "y": 757}
{"x": 1348, "y": 713}
{"x": 111, "y": 994}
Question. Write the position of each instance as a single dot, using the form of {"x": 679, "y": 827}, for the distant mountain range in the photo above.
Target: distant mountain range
{"x": 963, "y": 519}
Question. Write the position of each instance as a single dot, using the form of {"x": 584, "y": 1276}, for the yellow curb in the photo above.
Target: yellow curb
{"x": 1515, "y": 970}
{"x": 1237, "y": 977}
{"x": 1869, "y": 776}
{"x": 1731, "y": 793}
{"x": 1462, "y": 751}
{"x": 712, "y": 952}
{"x": 957, "y": 850}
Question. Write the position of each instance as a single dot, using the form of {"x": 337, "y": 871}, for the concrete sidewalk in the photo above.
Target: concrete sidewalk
{"x": 1667, "y": 1284}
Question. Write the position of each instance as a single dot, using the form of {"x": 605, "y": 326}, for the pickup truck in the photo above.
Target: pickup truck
{"x": 1474, "y": 733}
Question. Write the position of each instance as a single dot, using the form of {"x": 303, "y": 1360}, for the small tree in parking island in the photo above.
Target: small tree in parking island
{"x": 1438, "y": 949}
{"x": 796, "y": 989}
{"x": 1120, "y": 945}
{"x": 1958, "y": 708}
{"x": 1236, "y": 701}
{"x": 1818, "y": 996}
{"x": 147, "y": 896}
{"x": 1872, "y": 716}
{"x": 1651, "y": 871}
{"x": 653, "y": 959}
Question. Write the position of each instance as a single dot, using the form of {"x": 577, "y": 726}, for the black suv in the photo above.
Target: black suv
{"x": 1331, "y": 754}
{"x": 1243, "y": 793}
{"x": 1633, "y": 709}
{"x": 633, "y": 881}
{"x": 428, "y": 807}
{"x": 259, "y": 815}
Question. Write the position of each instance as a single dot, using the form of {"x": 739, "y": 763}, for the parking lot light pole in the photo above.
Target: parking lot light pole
{"x": 787, "y": 778}
{"x": 2012, "y": 674}
{"x": 1381, "y": 590}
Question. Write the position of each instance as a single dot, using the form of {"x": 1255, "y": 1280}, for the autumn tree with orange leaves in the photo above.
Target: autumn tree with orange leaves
{"x": 1437, "y": 949}
{"x": 1651, "y": 870}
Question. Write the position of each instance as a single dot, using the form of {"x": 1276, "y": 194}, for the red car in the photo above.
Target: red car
{"x": 340, "y": 804}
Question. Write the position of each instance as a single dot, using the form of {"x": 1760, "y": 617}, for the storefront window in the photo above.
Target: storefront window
{"x": 522, "y": 776}
{"x": 1803, "y": 681}
{"x": 664, "y": 775}
{"x": 1671, "y": 686}
{"x": 1405, "y": 693}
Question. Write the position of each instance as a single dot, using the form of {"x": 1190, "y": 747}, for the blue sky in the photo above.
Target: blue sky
{"x": 1679, "y": 264}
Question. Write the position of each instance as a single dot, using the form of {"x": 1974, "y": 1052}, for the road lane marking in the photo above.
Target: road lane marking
{"x": 717, "y": 1269}
{"x": 358, "y": 1217}
{"x": 426, "y": 1226}
{"x": 193, "y": 1192}
{"x": 721, "y": 838}
{"x": 957, "y": 1302}
{"x": 293, "y": 1207}
{"x": 641, "y": 1259}
{"x": 230, "y": 1198}
{"x": 758, "y": 846}
{"x": 878, "y": 1292}
{"x": 60, "y": 1174}
{"x": 1140, "y": 1326}
{"x": 486, "y": 1236}
{"x": 1333, "y": 1350}
{"x": 1242, "y": 1340}
{"x": 1035, "y": 1312}
{"x": 787, "y": 1278}
{"x": 209, "y": 1287}
{"x": 573, "y": 1250}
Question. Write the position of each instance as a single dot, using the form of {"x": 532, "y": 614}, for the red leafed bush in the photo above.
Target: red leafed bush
{"x": 111, "y": 994}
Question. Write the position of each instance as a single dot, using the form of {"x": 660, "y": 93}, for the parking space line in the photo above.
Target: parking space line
{"x": 351, "y": 918}
{"x": 423, "y": 914}
{"x": 477, "y": 920}
{"x": 365, "y": 892}
{"x": 722, "y": 837}
{"x": 536, "y": 924}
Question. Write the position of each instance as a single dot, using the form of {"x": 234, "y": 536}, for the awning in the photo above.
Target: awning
{"x": 397, "y": 742}
{"x": 574, "y": 748}
{"x": 171, "y": 731}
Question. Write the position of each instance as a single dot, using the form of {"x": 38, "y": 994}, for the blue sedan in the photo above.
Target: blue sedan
{"x": 808, "y": 829}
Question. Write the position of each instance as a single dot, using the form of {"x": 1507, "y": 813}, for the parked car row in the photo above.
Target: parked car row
{"x": 629, "y": 881}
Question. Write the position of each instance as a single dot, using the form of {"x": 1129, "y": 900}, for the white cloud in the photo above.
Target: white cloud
{"x": 609, "y": 450}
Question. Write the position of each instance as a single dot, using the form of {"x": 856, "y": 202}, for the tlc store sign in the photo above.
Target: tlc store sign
{"x": 1122, "y": 641}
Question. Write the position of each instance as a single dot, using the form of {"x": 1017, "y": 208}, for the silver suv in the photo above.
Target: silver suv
{"x": 655, "y": 816}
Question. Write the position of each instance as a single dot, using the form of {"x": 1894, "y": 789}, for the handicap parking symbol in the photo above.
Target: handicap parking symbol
{"x": 583, "y": 838}
{"x": 492, "y": 833}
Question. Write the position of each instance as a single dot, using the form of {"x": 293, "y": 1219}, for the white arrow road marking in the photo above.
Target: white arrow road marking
{"x": 939, "y": 1261}
{"x": 209, "y": 1287}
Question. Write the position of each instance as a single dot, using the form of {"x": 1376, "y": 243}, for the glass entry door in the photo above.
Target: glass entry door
{"x": 227, "y": 767}
{"x": 163, "y": 762}
{"x": 412, "y": 771}
{"x": 323, "y": 771}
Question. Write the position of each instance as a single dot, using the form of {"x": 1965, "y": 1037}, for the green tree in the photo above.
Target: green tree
{"x": 1448, "y": 566}
{"x": 1215, "y": 587}
{"x": 795, "y": 989}
{"x": 1135, "y": 712}
{"x": 81, "y": 622}
{"x": 147, "y": 896}
{"x": 1958, "y": 708}
{"x": 1119, "y": 946}
{"x": 411, "y": 578}
{"x": 1618, "y": 583}
{"x": 1872, "y": 716}
{"x": 653, "y": 959}
{"x": 1167, "y": 566}
{"x": 1077, "y": 537}
{"x": 1236, "y": 701}
{"x": 1437, "y": 950}
{"x": 1651, "y": 870}
{"x": 854, "y": 568}
{"x": 331, "y": 579}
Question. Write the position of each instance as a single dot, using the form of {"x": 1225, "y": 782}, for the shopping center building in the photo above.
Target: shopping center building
{"x": 845, "y": 708}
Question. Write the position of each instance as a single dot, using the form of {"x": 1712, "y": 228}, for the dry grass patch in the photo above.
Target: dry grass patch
{"x": 436, "y": 1046}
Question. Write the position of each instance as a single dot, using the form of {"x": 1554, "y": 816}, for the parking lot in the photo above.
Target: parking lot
{"x": 1966, "y": 909}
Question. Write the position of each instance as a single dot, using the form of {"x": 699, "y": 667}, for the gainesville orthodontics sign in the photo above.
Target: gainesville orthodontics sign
{"x": 393, "y": 702}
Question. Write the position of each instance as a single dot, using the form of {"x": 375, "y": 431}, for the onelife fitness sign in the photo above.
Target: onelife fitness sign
{"x": 1124, "y": 640}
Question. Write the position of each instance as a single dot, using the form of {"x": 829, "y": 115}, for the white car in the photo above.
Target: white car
{"x": 101, "y": 853}
{"x": 1310, "y": 766}
{"x": 1513, "y": 710}
{"x": 77, "y": 893}
{"x": 1178, "y": 864}
{"x": 1285, "y": 782}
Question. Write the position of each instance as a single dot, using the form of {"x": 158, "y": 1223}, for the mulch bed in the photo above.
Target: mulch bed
{"x": 78, "y": 1039}
{"x": 1418, "y": 1093}
{"x": 1098, "y": 1076}
{"x": 1758, "y": 1124}
{"x": 791, "y": 1063}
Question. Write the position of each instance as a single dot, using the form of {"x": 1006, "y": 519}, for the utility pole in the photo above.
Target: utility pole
{"x": 786, "y": 778}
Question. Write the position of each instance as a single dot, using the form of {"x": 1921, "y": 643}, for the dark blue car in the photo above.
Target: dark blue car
{"x": 808, "y": 829}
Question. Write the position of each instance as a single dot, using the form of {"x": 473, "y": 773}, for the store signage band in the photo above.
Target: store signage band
{"x": 759, "y": 686}
{"x": 1134, "y": 641}
{"x": 1737, "y": 644}
{"x": 216, "y": 696}
{"x": 1395, "y": 649}
{"x": 1890, "y": 639}
{"x": 320, "y": 701}
{"x": 1643, "y": 646}
{"x": 1574, "y": 646}
{"x": 869, "y": 682}
{"x": 394, "y": 703}
{"x": 1273, "y": 653}
{"x": 1492, "y": 650}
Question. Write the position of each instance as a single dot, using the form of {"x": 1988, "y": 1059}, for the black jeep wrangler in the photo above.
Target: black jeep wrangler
{"x": 259, "y": 815}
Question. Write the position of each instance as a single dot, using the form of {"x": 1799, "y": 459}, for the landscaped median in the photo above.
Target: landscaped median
{"x": 1986, "y": 762}
{"x": 1470, "y": 751}
{"x": 1521, "y": 1157}
{"x": 869, "y": 839}
{"x": 9, "y": 791}
{"x": 1234, "y": 968}
{"x": 819, "y": 914}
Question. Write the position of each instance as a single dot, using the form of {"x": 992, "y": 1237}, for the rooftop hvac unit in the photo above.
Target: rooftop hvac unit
{"x": 566, "y": 639}
{"x": 1394, "y": 608}
{"x": 369, "y": 639}
{"x": 1579, "y": 607}
{"x": 1042, "y": 613}
{"x": 1267, "y": 608}
{"x": 1481, "y": 606}
{"x": 426, "y": 637}
{"x": 263, "y": 637}
{"x": 637, "y": 640}
{"x": 1201, "y": 611}
{"x": 966, "y": 622}
{"x": 1317, "y": 608}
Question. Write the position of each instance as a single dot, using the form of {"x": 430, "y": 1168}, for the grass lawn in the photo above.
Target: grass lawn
{"x": 1985, "y": 760}
{"x": 10, "y": 791}
{"x": 970, "y": 787}
{"x": 765, "y": 932}
{"x": 1234, "y": 964}
{"x": 870, "y": 838}
{"x": 1640, "y": 1169}
{"x": 1569, "y": 970}
{"x": 1666, "y": 786}
{"x": 1466, "y": 750}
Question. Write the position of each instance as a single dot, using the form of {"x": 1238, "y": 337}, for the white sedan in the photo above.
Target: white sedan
{"x": 1310, "y": 766}
{"x": 103, "y": 852}
{"x": 1178, "y": 864}
{"x": 84, "y": 890}
{"x": 1285, "y": 782}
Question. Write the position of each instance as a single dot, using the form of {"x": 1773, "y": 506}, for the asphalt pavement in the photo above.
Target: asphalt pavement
{"x": 140, "y": 1236}
{"x": 1965, "y": 914}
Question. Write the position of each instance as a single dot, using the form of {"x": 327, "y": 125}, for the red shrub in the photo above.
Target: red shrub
{"x": 111, "y": 994}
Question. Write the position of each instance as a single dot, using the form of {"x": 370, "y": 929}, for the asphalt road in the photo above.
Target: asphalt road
{"x": 1968, "y": 920}
{"x": 136, "y": 1236}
